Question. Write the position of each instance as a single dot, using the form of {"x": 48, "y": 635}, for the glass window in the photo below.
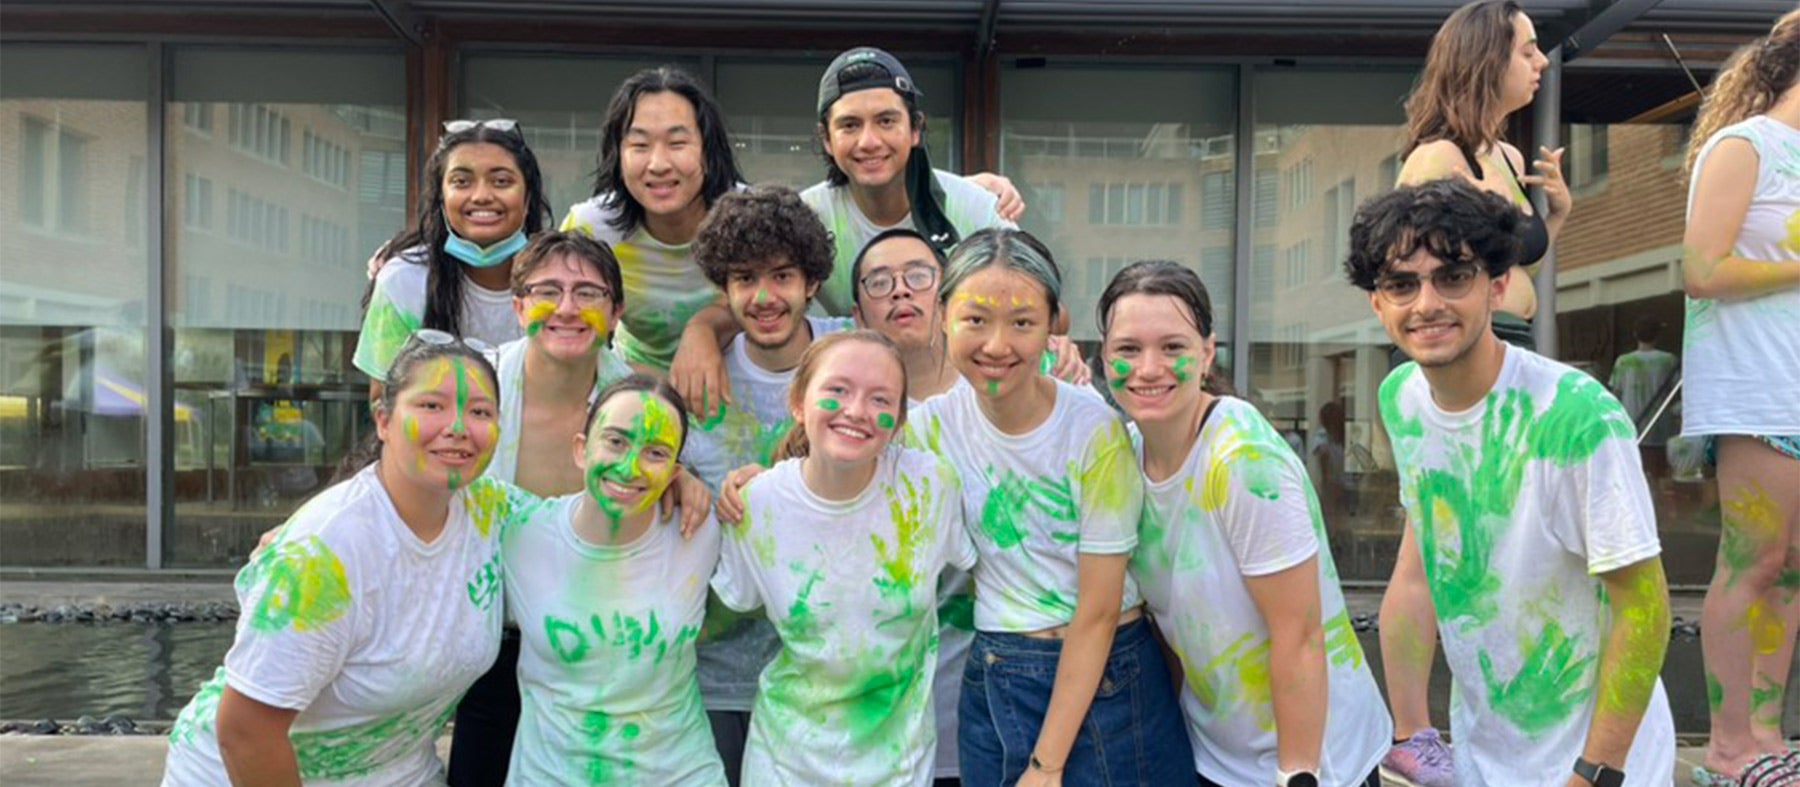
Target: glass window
{"x": 73, "y": 278}
{"x": 1316, "y": 349}
{"x": 1138, "y": 143}
{"x": 1618, "y": 271}
{"x": 272, "y": 222}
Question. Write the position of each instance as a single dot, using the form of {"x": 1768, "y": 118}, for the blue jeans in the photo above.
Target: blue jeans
{"x": 1133, "y": 732}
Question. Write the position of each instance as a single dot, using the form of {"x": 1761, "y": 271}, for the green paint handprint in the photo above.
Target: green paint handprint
{"x": 1004, "y": 513}
{"x": 1552, "y": 682}
{"x": 303, "y": 586}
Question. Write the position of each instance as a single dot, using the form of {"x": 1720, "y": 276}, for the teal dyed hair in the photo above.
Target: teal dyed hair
{"x": 1007, "y": 248}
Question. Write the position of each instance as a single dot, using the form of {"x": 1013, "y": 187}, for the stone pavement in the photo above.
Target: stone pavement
{"x": 126, "y": 761}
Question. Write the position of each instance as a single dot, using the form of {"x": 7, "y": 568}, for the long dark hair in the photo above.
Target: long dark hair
{"x": 399, "y": 376}
{"x": 722, "y": 173}
{"x": 1164, "y": 277}
{"x": 444, "y": 282}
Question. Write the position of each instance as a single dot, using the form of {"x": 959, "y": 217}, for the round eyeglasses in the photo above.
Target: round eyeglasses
{"x": 918, "y": 278}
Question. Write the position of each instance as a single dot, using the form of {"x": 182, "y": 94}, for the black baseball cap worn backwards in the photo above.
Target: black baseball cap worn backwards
{"x": 863, "y": 68}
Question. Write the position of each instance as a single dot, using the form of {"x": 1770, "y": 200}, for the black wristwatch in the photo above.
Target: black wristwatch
{"x": 1598, "y": 774}
{"x": 1296, "y": 779}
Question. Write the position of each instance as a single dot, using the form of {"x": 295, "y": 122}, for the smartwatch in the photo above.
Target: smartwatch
{"x": 1599, "y": 774}
{"x": 1296, "y": 779}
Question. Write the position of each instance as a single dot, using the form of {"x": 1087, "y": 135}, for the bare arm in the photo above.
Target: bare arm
{"x": 1100, "y": 588}
{"x": 1011, "y": 205}
{"x": 1630, "y": 661}
{"x": 1408, "y": 640}
{"x": 698, "y": 370}
{"x": 1723, "y": 189}
{"x": 253, "y": 742}
{"x": 1289, "y": 603}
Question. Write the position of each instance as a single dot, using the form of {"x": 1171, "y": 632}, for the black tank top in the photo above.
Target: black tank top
{"x": 1537, "y": 234}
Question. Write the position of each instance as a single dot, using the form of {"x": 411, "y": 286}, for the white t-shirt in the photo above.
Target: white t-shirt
{"x": 607, "y": 691}
{"x": 853, "y": 588}
{"x": 1637, "y": 376}
{"x": 509, "y": 362}
{"x": 735, "y": 647}
{"x": 969, "y": 208}
{"x": 749, "y": 431}
{"x": 369, "y": 632}
{"x": 956, "y": 634}
{"x": 1741, "y": 359}
{"x": 1518, "y": 503}
{"x": 1240, "y": 507}
{"x": 664, "y": 287}
{"x": 397, "y": 309}
{"x": 1033, "y": 501}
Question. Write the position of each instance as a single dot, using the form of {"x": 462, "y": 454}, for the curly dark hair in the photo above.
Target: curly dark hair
{"x": 754, "y": 228}
{"x": 1453, "y": 220}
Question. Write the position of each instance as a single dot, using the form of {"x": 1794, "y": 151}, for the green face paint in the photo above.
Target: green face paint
{"x": 597, "y": 323}
{"x": 993, "y": 387}
{"x": 1184, "y": 368}
{"x": 828, "y": 405}
{"x": 884, "y": 420}
{"x": 655, "y": 425}
{"x": 1121, "y": 369}
{"x": 409, "y": 426}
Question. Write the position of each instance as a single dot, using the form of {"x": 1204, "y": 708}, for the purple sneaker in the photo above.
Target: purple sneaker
{"x": 1422, "y": 761}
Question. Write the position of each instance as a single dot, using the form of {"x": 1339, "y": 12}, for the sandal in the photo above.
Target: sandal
{"x": 1769, "y": 770}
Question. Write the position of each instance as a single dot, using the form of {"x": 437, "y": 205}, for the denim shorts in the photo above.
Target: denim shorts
{"x": 1133, "y": 733}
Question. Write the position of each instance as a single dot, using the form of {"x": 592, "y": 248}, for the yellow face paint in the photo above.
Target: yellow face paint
{"x": 536, "y": 315}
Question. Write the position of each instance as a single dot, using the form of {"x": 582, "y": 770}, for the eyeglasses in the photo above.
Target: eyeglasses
{"x": 437, "y": 338}
{"x": 586, "y": 295}
{"x": 918, "y": 278}
{"x": 1450, "y": 281}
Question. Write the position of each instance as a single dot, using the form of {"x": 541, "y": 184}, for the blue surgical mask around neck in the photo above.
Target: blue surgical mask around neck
{"x": 477, "y": 257}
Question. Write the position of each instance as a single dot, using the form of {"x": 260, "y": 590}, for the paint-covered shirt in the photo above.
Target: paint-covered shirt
{"x": 1740, "y": 360}
{"x": 397, "y": 309}
{"x": 969, "y": 208}
{"x": 1034, "y": 502}
{"x": 1518, "y": 504}
{"x": 367, "y": 631}
{"x": 664, "y": 287}
{"x": 1241, "y": 507}
{"x": 735, "y": 647}
{"x": 852, "y": 586}
{"x": 956, "y": 633}
{"x": 607, "y": 692}
{"x": 509, "y": 363}
{"x": 1637, "y": 377}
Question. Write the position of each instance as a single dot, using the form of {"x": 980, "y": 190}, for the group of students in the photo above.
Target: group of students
{"x": 937, "y": 551}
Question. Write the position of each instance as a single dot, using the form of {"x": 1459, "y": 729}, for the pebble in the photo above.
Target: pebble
{"x": 145, "y": 612}
{"x": 86, "y": 725}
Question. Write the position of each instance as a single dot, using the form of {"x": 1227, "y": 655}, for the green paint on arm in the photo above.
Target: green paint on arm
{"x": 1639, "y": 638}
{"x": 1341, "y": 645}
{"x": 304, "y": 587}
{"x": 1552, "y": 682}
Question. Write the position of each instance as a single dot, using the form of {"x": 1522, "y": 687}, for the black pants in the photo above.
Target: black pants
{"x": 487, "y": 717}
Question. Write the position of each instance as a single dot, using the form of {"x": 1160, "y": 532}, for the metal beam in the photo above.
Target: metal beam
{"x": 399, "y": 18}
{"x": 1602, "y": 26}
{"x": 984, "y": 35}
{"x": 159, "y": 345}
{"x": 1547, "y": 131}
{"x": 1241, "y": 251}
